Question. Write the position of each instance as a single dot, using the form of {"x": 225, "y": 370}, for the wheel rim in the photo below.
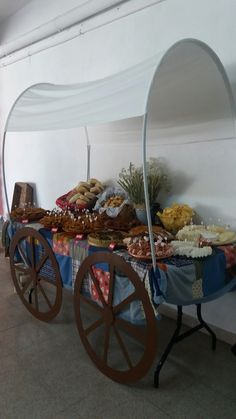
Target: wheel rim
{"x": 35, "y": 274}
{"x": 119, "y": 335}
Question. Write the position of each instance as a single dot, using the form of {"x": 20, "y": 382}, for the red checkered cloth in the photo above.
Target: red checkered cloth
{"x": 103, "y": 279}
{"x": 230, "y": 255}
{"x": 61, "y": 243}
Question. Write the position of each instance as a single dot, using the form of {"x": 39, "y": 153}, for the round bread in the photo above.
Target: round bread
{"x": 83, "y": 197}
{"x": 82, "y": 189}
{"x": 95, "y": 190}
{"x": 93, "y": 181}
{"x": 70, "y": 194}
{"x": 90, "y": 195}
{"x": 81, "y": 202}
{"x": 85, "y": 185}
{"x": 74, "y": 198}
{"x": 100, "y": 186}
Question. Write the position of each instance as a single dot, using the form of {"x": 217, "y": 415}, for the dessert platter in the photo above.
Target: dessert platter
{"x": 83, "y": 223}
{"x": 106, "y": 238}
{"x": 27, "y": 214}
{"x": 190, "y": 249}
{"x": 212, "y": 234}
{"x": 140, "y": 248}
{"x": 158, "y": 231}
{"x": 54, "y": 219}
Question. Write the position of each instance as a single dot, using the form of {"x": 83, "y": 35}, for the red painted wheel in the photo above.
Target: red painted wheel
{"x": 114, "y": 316}
{"x": 36, "y": 274}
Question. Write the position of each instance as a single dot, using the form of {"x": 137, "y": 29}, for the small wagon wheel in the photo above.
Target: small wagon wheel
{"x": 4, "y": 238}
{"x": 120, "y": 348}
{"x": 35, "y": 273}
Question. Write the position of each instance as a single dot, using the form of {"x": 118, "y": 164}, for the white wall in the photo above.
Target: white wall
{"x": 56, "y": 161}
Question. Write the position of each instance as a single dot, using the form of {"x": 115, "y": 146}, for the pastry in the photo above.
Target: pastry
{"x": 157, "y": 230}
{"x": 190, "y": 249}
{"x": 104, "y": 239}
{"x": 113, "y": 201}
{"x": 140, "y": 247}
{"x": 27, "y": 213}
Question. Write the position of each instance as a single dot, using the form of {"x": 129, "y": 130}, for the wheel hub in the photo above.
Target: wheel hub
{"x": 108, "y": 316}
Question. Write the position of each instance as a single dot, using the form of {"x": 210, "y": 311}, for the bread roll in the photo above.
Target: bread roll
{"x": 74, "y": 198}
{"x": 82, "y": 189}
{"x": 84, "y": 184}
{"x": 81, "y": 202}
{"x": 90, "y": 195}
{"x": 83, "y": 197}
{"x": 95, "y": 190}
{"x": 94, "y": 182}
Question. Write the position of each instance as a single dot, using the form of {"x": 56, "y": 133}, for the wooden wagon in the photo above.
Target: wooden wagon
{"x": 133, "y": 93}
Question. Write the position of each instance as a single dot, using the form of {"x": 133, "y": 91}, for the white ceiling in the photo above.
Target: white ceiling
{"x": 9, "y": 7}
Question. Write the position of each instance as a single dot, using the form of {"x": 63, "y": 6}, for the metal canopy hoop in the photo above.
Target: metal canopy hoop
{"x": 138, "y": 91}
{"x": 176, "y": 64}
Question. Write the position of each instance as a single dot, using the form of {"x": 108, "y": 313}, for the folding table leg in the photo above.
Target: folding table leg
{"x": 169, "y": 347}
{"x": 177, "y": 337}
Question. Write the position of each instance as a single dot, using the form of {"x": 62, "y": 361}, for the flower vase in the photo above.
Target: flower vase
{"x": 141, "y": 215}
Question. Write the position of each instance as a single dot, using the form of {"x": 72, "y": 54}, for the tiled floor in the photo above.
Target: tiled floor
{"x": 45, "y": 372}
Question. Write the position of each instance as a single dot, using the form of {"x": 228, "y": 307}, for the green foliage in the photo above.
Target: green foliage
{"x": 131, "y": 180}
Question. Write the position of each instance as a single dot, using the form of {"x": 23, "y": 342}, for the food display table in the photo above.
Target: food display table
{"x": 123, "y": 290}
{"x": 178, "y": 280}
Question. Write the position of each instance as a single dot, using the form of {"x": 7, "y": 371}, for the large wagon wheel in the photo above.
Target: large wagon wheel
{"x": 35, "y": 273}
{"x": 121, "y": 349}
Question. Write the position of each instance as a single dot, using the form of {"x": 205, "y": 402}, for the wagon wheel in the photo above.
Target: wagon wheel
{"x": 35, "y": 273}
{"x": 4, "y": 239}
{"x": 120, "y": 348}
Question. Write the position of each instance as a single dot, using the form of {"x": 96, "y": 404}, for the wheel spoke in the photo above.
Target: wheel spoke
{"x": 44, "y": 295}
{"x": 49, "y": 281}
{"x": 111, "y": 285}
{"x": 119, "y": 307}
{"x": 22, "y": 269}
{"x": 32, "y": 251}
{"x": 24, "y": 256}
{"x": 123, "y": 348}
{"x": 93, "y": 326}
{"x": 98, "y": 289}
{"x": 41, "y": 263}
{"x": 135, "y": 331}
{"x": 26, "y": 286}
{"x": 106, "y": 343}
{"x": 91, "y": 303}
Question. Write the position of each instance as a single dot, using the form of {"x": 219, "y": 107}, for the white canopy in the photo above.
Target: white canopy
{"x": 184, "y": 89}
{"x": 50, "y": 107}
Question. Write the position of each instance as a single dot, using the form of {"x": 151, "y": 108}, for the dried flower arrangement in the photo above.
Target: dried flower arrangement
{"x": 131, "y": 180}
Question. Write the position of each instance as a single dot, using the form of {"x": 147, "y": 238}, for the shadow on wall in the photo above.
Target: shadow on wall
{"x": 231, "y": 70}
{"x": 180, "y": 182}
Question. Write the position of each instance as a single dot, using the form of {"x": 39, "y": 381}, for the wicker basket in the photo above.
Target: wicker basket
{"x": 174, "y": 224}
{"x": 62, "y": 203}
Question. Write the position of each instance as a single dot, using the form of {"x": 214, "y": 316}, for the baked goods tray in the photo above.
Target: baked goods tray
{"x": 149, "y": 258}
